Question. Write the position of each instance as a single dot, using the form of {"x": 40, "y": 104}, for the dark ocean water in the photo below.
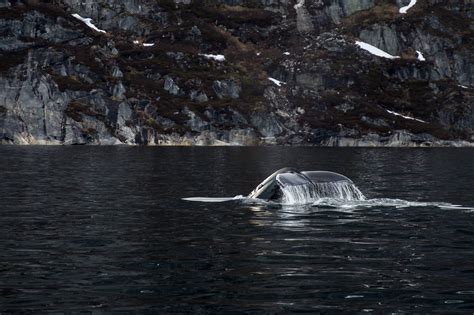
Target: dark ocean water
{"x": 106, "y": 229}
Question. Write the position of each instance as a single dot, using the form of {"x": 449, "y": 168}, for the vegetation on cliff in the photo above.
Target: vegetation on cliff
{"x": 288, "y": 73}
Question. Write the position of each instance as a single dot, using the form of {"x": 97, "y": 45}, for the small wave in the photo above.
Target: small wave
{"x": 383, "y": 202}
{"x": 337, "y": 203}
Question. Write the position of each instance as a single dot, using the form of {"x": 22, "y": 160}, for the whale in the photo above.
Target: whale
{"x": 314, "y": 184}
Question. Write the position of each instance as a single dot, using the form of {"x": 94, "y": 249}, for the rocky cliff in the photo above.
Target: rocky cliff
{"x": 239, "y": 72}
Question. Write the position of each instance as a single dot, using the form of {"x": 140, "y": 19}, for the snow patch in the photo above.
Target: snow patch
{"x": 286, "y": 53}
{"x": 420, "y": 56}
{"x": 277, "y": 82}
{"x": 88, "y": 22}
{"x": 137, "y": 42}
{"x": 374, "y": 50}
{"x": 406, "y": 117}
{"x": 214, "y": 57}
{"x": 462, "y": 86}
{"x": 404, "y": 10}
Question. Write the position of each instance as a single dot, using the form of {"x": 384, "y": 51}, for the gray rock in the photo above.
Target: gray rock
{"x": 171, "y": 86}
{"x": 382, "y": 37}
{"x": 4, "y": 3}
{"x": 194, "y": 122}
{"x": 165, "y": 122}
{"x": 12, "y": 44}
{"x": 34, "y": 106}
{"x": 303, "y": 18}
{"x": 342, "y": 8}
{"x": 116, "y": 73}
{"x": 119, "y": 91}
{"x": 229, "y": 88}
{"x": 199, "y": 97}
{"x": 266, "y": 124}
{"x": 195, "y": 34}
{"x": 83, "y": 41}
{"x": 344, "y": 107}
{"x": 124, "y": 118}
{"x": 378, "y": 122}
{"x": 242, "y": 137}
{"x": 37, "y": 26}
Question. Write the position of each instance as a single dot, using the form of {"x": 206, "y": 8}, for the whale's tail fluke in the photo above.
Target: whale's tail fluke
{"x": 288, "y": 185}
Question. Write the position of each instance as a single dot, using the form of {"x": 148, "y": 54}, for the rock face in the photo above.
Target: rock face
{"x": 234, "y": 72}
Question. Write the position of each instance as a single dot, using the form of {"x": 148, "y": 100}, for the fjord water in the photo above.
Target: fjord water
{"x": 106, "y": 229}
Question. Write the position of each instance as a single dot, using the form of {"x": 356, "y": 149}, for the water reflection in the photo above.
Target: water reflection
{"x": 345, "y": 255}
{"x": 287, "y": 217}
{"x": 301, "y": 217}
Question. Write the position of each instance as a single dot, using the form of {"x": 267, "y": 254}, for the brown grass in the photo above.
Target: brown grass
{"x": 72, "y": 83}
{"x": 75, "y": 110}
{"x": 377, "y": 14}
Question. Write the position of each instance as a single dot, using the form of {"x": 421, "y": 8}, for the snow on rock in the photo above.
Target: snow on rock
{"x": 137, "y": 42}
{"x": 214, "y": 57}
{"x": 406, "y": 117}
{"x": 374, "y": 50}
{"x": 286, "y": 53}
{"x": 277, "y": 82}
{"x": 420, "y": 56}
{"x": 88, "y": 22}
{"x": 404, "y": 10}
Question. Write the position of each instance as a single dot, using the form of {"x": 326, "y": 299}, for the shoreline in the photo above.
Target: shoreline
{"x": 449, "y": 144}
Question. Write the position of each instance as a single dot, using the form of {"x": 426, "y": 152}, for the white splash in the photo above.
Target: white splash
{"x": 375, "y": 51}
{"x": 88, "y": 22}
{"x": 310, "y": 193}
{"x": 307, "y": 197}
{"x": 404, "y": 10}
{"x": 219, "y": 58}
{"x": 383, "y": 202}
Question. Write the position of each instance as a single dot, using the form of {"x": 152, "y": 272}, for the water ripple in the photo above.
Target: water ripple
{"x": 106, "y": 230}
